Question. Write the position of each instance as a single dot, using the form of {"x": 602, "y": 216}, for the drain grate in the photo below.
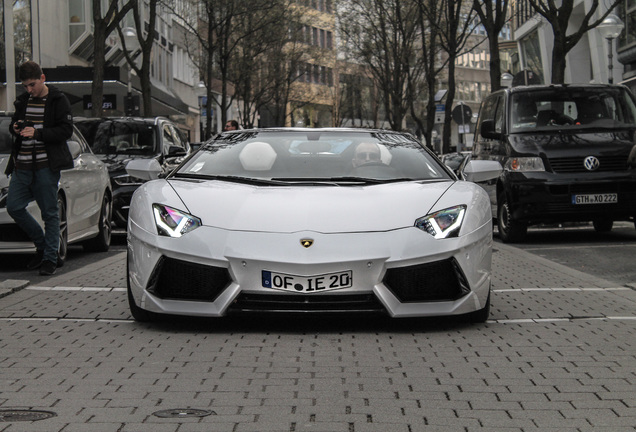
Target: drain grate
{"x": 18, "y": 415}
{"x": 182, "y": 413}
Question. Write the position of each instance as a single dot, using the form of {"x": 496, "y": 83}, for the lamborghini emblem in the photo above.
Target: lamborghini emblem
{"x": 306, "y": 242}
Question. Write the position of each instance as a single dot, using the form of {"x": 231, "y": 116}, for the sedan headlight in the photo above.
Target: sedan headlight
{"x": 171, "y": 222}
{"x": 444, "y": 223}
{"x": 524, "y": 164}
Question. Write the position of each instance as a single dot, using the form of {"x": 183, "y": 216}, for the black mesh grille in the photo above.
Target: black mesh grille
{"x": 436, "y": 281}
{"x": 182, "y": 280}
{"x": 575, "y": 164}
{"x": 250, "y": 302}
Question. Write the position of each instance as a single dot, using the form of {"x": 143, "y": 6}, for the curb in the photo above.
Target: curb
{"x": 10, "y": 286}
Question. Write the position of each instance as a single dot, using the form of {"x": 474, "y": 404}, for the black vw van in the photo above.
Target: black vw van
{"x": 568, "y": 153}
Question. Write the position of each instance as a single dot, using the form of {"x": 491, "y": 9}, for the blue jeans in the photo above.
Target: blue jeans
{"x": 41, "y": 186}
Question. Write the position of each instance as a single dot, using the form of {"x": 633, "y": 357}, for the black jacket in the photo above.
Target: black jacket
{"x": 56, "y": 129}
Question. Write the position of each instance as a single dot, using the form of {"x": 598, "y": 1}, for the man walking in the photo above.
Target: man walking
{"x": 42, "y": 123}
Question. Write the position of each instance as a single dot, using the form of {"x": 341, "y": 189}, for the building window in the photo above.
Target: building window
{"x": 76, "y": 20}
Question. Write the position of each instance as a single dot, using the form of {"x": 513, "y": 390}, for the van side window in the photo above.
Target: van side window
{"x": 499, "y": 114}
{"x": 488, "y": 110}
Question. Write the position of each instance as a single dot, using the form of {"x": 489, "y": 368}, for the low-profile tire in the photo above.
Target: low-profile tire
{"x": 137, "y": 313}
{"x": 62, "y": 249}
{"x": 510, "y": 230}
{"x": 481, "y": 315}
{"x": 101, "y": 242}
{"x": 603, "y": 225}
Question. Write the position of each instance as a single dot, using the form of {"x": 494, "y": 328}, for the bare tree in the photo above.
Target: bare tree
{"x": 266, "y": 51}
{"x": 558, "y": 15}
{"x": 428, "y": 16}
{"x": 455, "y": 26}
{"x": 104, "y": 25}
{"x": 146, "y": 39}
{"x": 493, "y": 15}
{"x": 382, "y": 35}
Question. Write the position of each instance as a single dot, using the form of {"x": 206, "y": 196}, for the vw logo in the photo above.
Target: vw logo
{"x": 306, "y": 242}
{"x": 591, "y": 163}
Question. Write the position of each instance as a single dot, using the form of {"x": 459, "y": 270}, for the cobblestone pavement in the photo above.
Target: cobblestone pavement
{"x": 558, "y": 354}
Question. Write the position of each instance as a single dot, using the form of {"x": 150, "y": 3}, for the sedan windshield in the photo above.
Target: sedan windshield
{"x": 572, "y": 108}
{"x": 314, "y": 156}
{"x": 120, "y": 137}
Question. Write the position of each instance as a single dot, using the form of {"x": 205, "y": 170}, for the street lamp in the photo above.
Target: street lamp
{"x": 610, "y": 29}
{"x": 132, "y": 43}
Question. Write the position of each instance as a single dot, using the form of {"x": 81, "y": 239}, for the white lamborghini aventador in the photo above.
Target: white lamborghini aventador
{"x": 310, "y": 220}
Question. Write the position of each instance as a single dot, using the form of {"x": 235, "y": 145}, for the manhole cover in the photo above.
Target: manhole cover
{"x": 182, "y": 412}
{"x": 17, "y": 415}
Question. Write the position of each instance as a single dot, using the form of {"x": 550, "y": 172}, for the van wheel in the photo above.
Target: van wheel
{"x": 510, "y": 230}
{"x": 603, "y": 225}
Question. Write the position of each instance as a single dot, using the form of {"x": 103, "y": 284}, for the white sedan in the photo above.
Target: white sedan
{"x": 84, "y": 200}
{"x": 310, "y": 220}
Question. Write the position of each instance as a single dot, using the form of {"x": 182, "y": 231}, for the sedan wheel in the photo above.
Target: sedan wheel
{"x": 101, "y": 242}
{"x": 62, "y": 249}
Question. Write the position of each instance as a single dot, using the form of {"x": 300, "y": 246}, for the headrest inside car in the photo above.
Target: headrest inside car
{"x": 257, "y": 156}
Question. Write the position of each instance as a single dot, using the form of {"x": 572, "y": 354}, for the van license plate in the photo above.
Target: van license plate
{"x": 611, "y": 198}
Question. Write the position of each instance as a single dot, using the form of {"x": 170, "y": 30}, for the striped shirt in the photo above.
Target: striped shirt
{"x": 32, "y": 154}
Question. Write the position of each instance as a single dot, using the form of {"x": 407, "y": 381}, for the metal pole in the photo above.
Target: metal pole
{"x": 610, "y": 79}
{"x": 129, "y": 107}
{"x": 9, "y": 52}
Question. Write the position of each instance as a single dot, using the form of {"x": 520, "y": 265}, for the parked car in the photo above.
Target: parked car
{"x": 310, "y": 220}
{"x": 84, "y": 199}
{"x": 117, "y": 140}
{"x": 568, "y": 153}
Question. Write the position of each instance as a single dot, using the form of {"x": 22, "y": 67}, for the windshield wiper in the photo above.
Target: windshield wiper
{"x": 235, "y": 179}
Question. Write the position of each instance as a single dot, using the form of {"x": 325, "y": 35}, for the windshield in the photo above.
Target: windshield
{"x": 302, "y": 156}
{"x": 572, "y": 108}
{"x": 6, "y": 140}
{"x": 120, "y": 137}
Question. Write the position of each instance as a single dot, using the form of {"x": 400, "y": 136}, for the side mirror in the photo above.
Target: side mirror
{"x": 488, "y": 130}
{"x": 74, "y": 147}
{"x": 482, "y": 170}
{"x": 175, "y": 151}
{"x": 145, "y": 169}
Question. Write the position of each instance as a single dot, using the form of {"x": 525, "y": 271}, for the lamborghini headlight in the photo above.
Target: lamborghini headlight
{"x": 444, "y": 223}
{"x": 171, "y": 222}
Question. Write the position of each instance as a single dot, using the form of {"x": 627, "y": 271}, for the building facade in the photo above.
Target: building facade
{"x": 587, "y": 62}
{"x": 58, "y": 34}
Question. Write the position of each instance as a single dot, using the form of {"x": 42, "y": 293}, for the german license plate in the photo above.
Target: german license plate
{"x": 610, "y": 198}
{"x": 307, "y": 284}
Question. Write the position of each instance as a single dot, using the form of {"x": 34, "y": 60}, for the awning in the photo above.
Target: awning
{"x": 76, "y": 83}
